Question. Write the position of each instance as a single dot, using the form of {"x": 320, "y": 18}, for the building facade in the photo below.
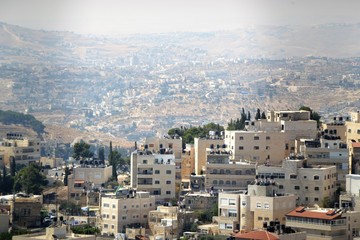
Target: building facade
{"x": 154, "y": 173}
{"x": 124, "y": 209}
{"x": 311, "y": 184}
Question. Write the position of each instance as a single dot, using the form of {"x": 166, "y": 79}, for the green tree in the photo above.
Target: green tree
{"x": 101, "y": 153}
{"x": 188, "y": 134}
{"x": 313, "y": 115}
{"x": 87, "y": 229}
{"x": 263, "y": 115}
{"x": 326, "y": 202}
{"x": 67, "y": 173}
{"x": 11, "y": 117}
{"x": 12, "y": 166}
{"x": 112, "y": 161}
{"x": 258, "y": 114}
{"x": 82, "y": 150}
{"x": 30, "y": 180}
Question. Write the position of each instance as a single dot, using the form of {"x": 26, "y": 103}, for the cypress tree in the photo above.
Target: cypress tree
{"x": 12, "y": 167}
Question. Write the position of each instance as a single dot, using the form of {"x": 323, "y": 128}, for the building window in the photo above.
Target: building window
{"x": 243, "y": 203}
{"x": 233, "y": 182}
{"x": 113, "y": 216}
{"x": 168, "y": 182}
{"x": 293, "y": 176}
{"x": 106, "y": 205}
{"x": 232, "y": 213}
{"x": 266, "y": 205}
{"x": 358, "y": 131}
{"x": 157, "y": 182}
{"x": 316, "y": 177}
{"x": 145, "y": 216}
{"x": 267, "y": 137}
{"x": 106, "y": 226}
{"x": 215, "y": 182}
{"x": 241, "y": 138}
{"x": 112, "y": 226}
{"x": 256, "y": 138}
{"x": 168, "y": 171}
{"x": 297, "y": 188}
{"x": 168, "y": 192}
{"x": 316, "y": 199}
{"x": 316, "y": 188}
{"x": 258, "y": 205}
{"x": 260, "y": 218}
{"x": 306, "y": 187}
{"x": 281, "y": 187}
{"x": 113, "y": 206}
{"x": 232, "y": 202}
{"x": 241, "y": 147}
{"x": 267, "y": 147}
{"x": 144, "y": 161}
{"x": 157, "y": 171}
{"x": 256, "y": 147}
{"x": 123, "y": 217}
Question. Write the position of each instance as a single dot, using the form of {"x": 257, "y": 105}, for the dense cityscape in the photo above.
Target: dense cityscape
{"x": 247, "y": 132}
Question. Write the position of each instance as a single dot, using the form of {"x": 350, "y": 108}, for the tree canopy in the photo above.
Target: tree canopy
{"x": 27, "y": 120}
{"x": 313, "y": 115}
{"x": 188, "y": 134}
{"x": 82, "y": 150}
{"x": 30, "y": 180}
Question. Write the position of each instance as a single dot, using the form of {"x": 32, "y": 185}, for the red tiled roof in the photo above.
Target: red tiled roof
{"x": 356, "y": 144}
{"x": 257, "y": 235}
{"x": 306, "y": 213}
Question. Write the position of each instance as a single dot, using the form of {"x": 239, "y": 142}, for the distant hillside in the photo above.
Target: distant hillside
{"x": 10, "y": 117}
{"x": 328, "y": 40}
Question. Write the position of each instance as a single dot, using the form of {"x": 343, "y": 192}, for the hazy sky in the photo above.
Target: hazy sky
{"x": 144, "y": 16}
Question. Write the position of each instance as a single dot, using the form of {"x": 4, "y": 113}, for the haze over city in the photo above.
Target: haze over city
{"x": 158, "y": 16}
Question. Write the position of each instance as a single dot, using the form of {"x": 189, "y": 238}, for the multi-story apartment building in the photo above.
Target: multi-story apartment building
{"x": 187, "y": 165}
{"x": 199, "y": 200}
{"x": 329, "y": 224}
{"x": 25, "y": 150}
{"x": 256, "y": 146}
{"x": 171, "y": 144}
{"x": 124, "y": 209}
{"x": 350, "y": 199}
{"x": 354, "y": 157}
{"x": 25, "y": 211}
{"x": 154, "y": 173}
{"x": 163, "y": 222}
{"x": 200, "y": 146}
{"x": 248, "y": 211}
{"x": 271, "y": 140}
{"x": 335, "y": 127}
{"x": 223, "y": 174}
{"x": 328, "y": 150}
{"x": 167, "y": 222}
{"x": 311, "y": 184}
{"x": 353, "y": 128}
{"x": 85, "y": 178}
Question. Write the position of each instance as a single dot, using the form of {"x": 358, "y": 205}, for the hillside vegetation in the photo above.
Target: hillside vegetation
{"x": 11, "y": 117}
